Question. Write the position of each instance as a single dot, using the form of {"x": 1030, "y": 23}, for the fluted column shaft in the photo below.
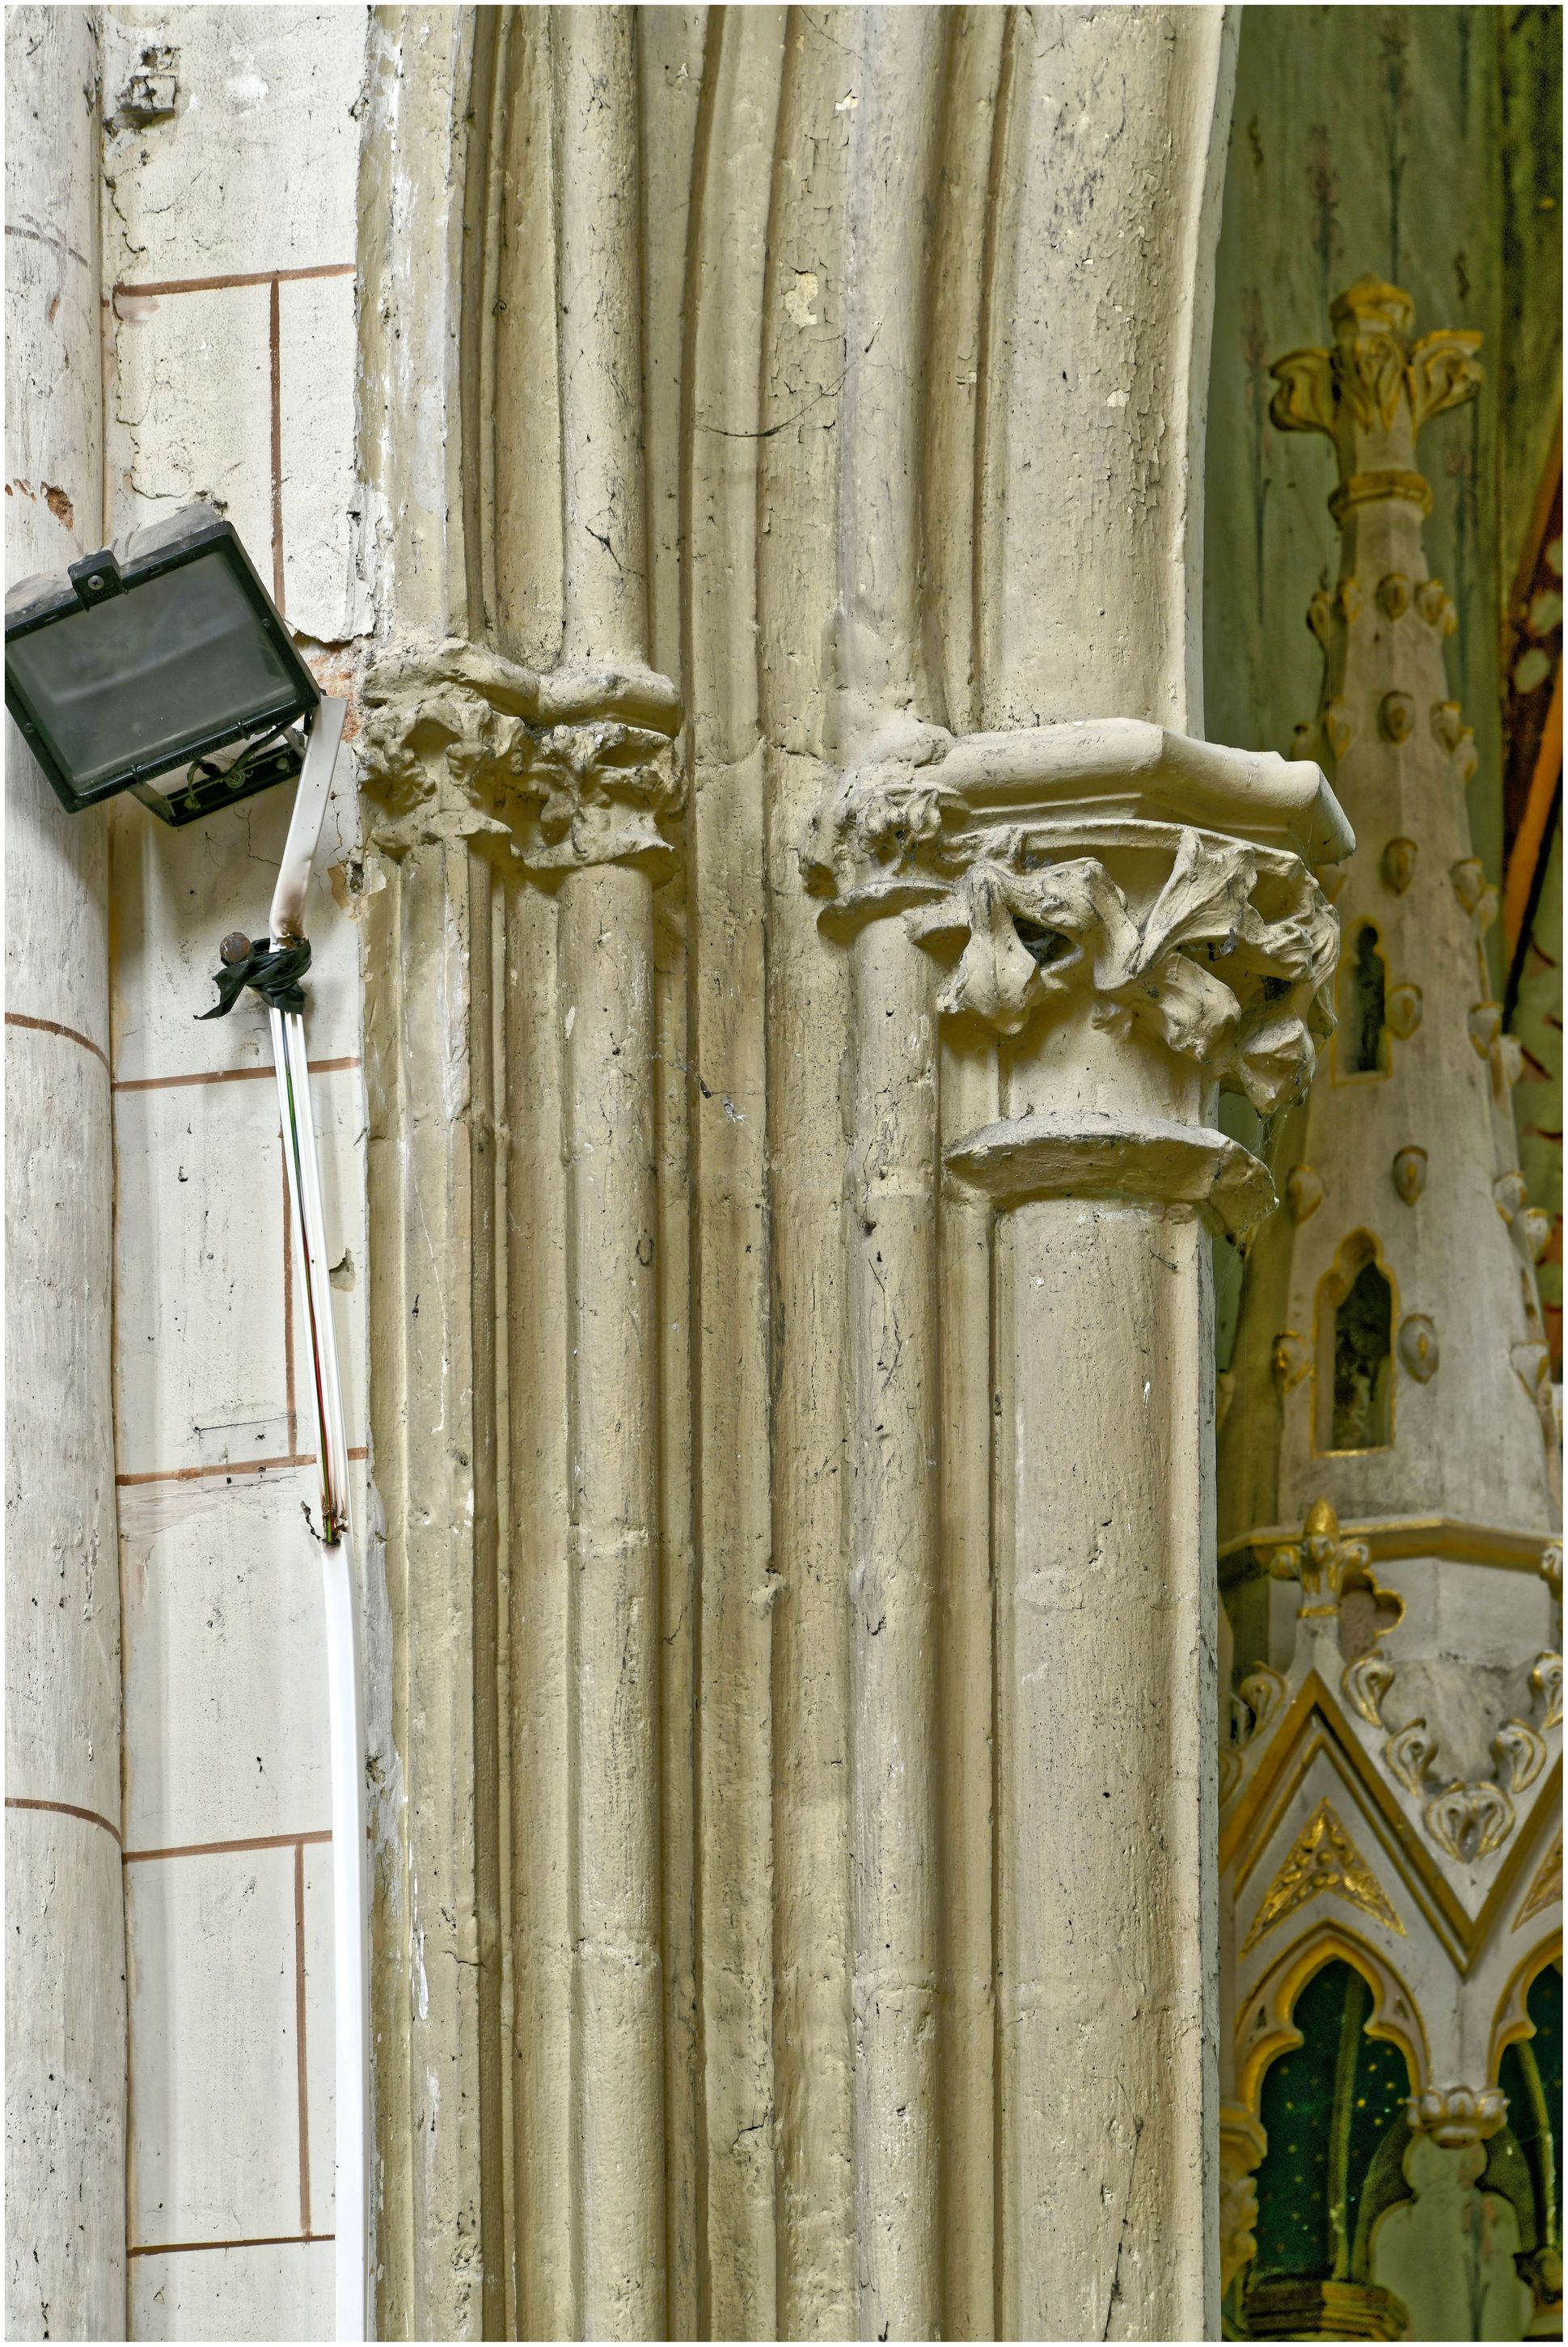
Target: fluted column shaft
{"x": 892, "y": 1381}
{"x": 597, "y": 194}
{"x": 1104, "y": 1506}
{"x": 517, "y": 823}
{"x": 605, "y": 992}
{"x": 1123, "y": 968}
{"x": 892, "y": 1542}
{"x": 742, "y": 1535}
{"x": 606, "y": 1002}
{"x": 428, "y": 1021}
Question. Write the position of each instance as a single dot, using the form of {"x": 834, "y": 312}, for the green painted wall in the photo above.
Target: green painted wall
{"x": 1529, "y": 373}
{"x": 1364, "y": 140}
{"x": 1422, "y": 144}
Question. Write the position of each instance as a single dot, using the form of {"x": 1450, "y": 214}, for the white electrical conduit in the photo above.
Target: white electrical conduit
{"x": 345, "y": 1702}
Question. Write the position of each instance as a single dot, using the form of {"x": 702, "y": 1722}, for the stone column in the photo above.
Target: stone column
{"x": 430, "y": 1020}
{"x": 65, "y": 1975}
{"x": 432, "y": 1705}
{"x": 891, "y": 1556}
{"x": 892, "y": 1494}
{"x": 1131, "y": 915}
{"x": 608, "y": 860}
{"x": 605, "y": 1001}
{"x": 519, "y": 826}
{"x": 491, "y": 785}
{"x": 761, "y": 350}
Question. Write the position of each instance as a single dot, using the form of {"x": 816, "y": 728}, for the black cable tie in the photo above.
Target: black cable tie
{"x": 272, "y": 971}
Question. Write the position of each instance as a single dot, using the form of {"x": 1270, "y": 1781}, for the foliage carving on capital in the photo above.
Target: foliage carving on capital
{"x": 441, "y": 735}
{"x": 606, "y": 791}
{"x": 891, "y": 827}
{"x": 1204, "y": 969}
{"x": 570, "y": 769}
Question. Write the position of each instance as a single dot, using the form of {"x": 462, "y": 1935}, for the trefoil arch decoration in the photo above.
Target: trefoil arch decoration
{"x": 1264, "y": 2029}
{"x": 1511, "y": 2021}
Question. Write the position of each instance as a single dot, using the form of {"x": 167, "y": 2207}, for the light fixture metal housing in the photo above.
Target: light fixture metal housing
{"x": 136, "y": 667}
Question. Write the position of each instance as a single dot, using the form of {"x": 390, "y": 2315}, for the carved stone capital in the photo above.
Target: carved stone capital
{"x": 979, "y": 844}
{"x": 891, "y": 831}
{"x": 1024, "y": 1157}
{"x": 1454, "y": 2116}
{"x": 570, "y": 769}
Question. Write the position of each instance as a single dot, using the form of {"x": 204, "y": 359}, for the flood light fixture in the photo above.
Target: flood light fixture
{"x": 159, "y": 666}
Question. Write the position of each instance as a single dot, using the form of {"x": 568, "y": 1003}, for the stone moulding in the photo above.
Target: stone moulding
{"x": 572, "y": 768}
{"x": 1143, "y": 1158}
{"x": 904, "y": 814}
{"x": 1546, "y": 1889}
{"x": 1454, "y": 2116}
{"x": 972, "y": 840}
{"x": 1441, "y": 1538}
{"x": 1243, "y": 2144}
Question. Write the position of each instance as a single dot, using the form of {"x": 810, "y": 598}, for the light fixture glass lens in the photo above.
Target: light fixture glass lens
{"x": 147, "y": 672}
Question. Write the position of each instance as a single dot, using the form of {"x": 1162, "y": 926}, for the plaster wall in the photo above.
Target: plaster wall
{"x": 229, "y": 164}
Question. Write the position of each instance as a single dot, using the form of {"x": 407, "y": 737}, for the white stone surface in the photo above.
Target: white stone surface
{"x": 316, "y": 319}
{"x": 223, "y": 1673}
{"x": 65, "y": 1999}
{"x": 253, "y": 172}
{"x": 318, "y": 1889}
{"x": 256, "y": 167}
{"x": 199, "y": 1319}
{"x": 213, "y": 2047}
{"x": 273, "y": 2291}
{"x": 170, "y": 449}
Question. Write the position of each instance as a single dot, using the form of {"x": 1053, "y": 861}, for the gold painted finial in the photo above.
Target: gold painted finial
{"x": 1320, "y": 1561}
{"x": 1322, "y": 1521}
{"x": 1372, "y": 300}
{"x": 1373, "y": 392}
